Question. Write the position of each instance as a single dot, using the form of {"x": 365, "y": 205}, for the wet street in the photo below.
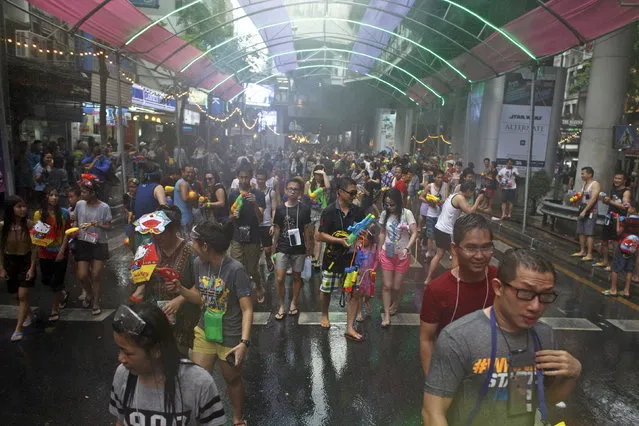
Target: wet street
{"x": 299, "y": 374}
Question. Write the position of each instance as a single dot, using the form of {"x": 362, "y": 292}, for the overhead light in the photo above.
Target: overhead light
{"x": 146, "y": 116}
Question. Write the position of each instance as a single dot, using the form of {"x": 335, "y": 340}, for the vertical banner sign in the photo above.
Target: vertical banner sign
{"x": 386, "y": 130}
{"x": 514, "y": 128}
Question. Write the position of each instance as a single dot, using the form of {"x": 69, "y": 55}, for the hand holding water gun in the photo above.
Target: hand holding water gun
{"x": 576, "y": 197}
{"x": 433, "y": 199}
{"x": 203, "y": 201}
{"x": 237, "y": 204}
{"x": 313, "y": 195}
{"x": 353, "y": 270}
{"x": 358, "y": 227}
{"x": 169, "y": 189}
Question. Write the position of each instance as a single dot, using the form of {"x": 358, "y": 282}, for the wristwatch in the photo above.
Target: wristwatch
{"x": 246, "y": 342}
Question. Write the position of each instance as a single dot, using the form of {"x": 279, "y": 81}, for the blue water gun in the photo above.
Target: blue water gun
{"x": 352, "y": 271}
{"x": 358, "y": 227}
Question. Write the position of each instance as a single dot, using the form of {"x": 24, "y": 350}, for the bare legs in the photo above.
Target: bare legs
{"x": 391, "y": 294}
{"x": 434, "y": 263}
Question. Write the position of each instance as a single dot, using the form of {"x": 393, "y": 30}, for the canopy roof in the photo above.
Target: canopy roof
{"x": 418, "y": 49}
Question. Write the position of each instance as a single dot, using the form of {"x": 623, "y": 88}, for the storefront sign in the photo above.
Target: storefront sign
{"x": 150, "y": 98}
{"x": 191, "y": 118}
{"x": 198, "y": 97}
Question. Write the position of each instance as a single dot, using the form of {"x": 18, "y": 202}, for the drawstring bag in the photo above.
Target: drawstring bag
{"x": 213, "y": 325}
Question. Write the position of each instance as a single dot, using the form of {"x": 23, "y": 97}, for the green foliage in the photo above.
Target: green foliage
{"x": 581, "y": 79}
{"x": 539, "y": 187}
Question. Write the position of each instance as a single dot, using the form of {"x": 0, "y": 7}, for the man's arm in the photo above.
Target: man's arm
{"x": 160, "y": 195}
{"x": 434, "y": 410}
{"x": 626, "y": 198}
{"x": 184, "y": 190}
{"x": 427, "y": 335}
{"x": 464, "y": 206}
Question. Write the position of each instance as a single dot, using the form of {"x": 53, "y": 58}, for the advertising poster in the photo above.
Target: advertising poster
{"x": 514, "y": 128}
{"x": 386, "y": 131}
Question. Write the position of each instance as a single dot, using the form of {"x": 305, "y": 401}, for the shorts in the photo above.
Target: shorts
{"x": 283, "y": 261}
{"x": 53, "y": 273}
{"x": 442, "y": 239}
{"x": 248, "y": 255}
{"x": 334, "y": 281}
{"x": 609, "y": 232}
{"x": 203, "y": 346}
{"x": 623, "y": 262}
{"x": 394, "y": 263}
{"x": 508, "y": 195}
{"x": 17, "y": 266}
{"x": 430, "y": 227}
{"x": 85, "y": 252}
{"x": 586, "y": 226}
{"x": 266, "y": 239}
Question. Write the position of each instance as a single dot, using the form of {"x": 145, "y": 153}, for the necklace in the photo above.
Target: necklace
{"x": 516, "y": 351}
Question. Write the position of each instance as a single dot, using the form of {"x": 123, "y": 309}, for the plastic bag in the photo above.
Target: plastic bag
{"x": 308, "y": 269}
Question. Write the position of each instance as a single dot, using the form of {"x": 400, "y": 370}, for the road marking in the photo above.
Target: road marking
{"x": 501, "y": 246}
{"x": 261, "y": 318}
{"x": 578, "y": 278}
{"x": 625, "y": 325}
{"x": 573, "y": 324}
{"x": 69, "y": 314}
{"x": 314, "y": 318}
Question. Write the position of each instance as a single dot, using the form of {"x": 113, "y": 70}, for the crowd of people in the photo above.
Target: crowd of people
{"x": 346, "y": 215}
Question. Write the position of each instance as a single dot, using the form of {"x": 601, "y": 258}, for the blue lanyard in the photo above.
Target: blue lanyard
{"x": 491, "y": 368}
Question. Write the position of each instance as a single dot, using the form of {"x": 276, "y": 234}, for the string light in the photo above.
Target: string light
{"x": 178, "y": 95}
{"x": 570, "y": 137}
{"x": 298, "y": 139}
{"x": 443, "y": 139}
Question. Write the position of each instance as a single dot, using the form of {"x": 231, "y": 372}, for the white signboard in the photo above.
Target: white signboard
{"x": 514, "y": 134}
{"x": 386, "y": 129}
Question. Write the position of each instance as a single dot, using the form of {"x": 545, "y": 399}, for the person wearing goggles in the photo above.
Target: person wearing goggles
{"x": 150, "y": 366}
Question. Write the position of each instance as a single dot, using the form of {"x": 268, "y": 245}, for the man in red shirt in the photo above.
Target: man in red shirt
{"x": 461, "y": 290}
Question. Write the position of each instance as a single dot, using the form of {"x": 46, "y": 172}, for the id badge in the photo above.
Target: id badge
{"x": 539, "y": 421}
{"x": 521, "y": 383}
{"x": 90, "y": 237}
{"x": 294, "y": 237}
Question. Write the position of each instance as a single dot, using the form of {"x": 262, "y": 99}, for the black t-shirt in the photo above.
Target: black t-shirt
{"x": 367, "y": 200}
{"x": 248, "y": 217}
{"x": 289, "y": 218}
{"x": 333, "y": 222}
{"x": 491, "y": 183}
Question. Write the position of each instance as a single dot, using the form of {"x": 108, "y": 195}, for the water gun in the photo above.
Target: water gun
{"x": 576, "y": 197}
{"x": 192, "y": 195}
{"x": 602, "y": 195}
{"x": 168, "y": 274}
{"x": 238, "y": 203}
{"x": 353, "y": 271}
{"x": 169, "y": 189}
{"x": 434, "y": 199}
{"x": 169, "y": 201}
{"x": 358, "y": 227}
{"x": 420, "y": 192}
{"x": 313, "y": 195}
{"x": 71, "y": 231}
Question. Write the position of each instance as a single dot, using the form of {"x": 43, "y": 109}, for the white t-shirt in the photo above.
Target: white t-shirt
{"x": 398, "y": 230}
{"x": 235, "y": 185}
{"x": 435, "y": 211}
{"x": 507, "y": 176}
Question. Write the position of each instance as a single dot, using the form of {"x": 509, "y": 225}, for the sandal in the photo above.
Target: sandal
{"x": 86, "y": 303}
{"x": 599, "y": 265}
{"x": 54, "y": 317}
{"x": 241, "y": 423}
{"x": 293, "y": 312}
{"x": 625, "y": 296}
{"x": 608, "y": 268}
{"x": 28, "y": 321}
{"x": 586, "y": 259}
{"x": 354, "y": 339}
{"x": 279, "y": 316}
{"x": 609, "y": 293}
{"x": 96, "y": 311}
{"x": 325, "y": 324}
{"x": 578, "y": 254}
{"x": 386, "y": 324}
{"x": 17, "y": 336}
{"x": 65, "y": 299}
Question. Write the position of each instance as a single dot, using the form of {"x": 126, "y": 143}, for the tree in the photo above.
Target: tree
{"x": 539, "y": 187}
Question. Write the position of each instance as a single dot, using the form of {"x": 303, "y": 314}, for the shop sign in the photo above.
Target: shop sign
{"x": 191, "y": 118}
{"x": 198, "y": 97}
{"x": 143, "y": 96}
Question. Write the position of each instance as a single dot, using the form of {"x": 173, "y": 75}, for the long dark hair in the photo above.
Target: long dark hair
{"x": 312, "y": 181}
{"x": 45, "y": 208}
{"x": 396, "y": 196}
{"x": 157, "y": 336}
{"x": 9, "y": 217}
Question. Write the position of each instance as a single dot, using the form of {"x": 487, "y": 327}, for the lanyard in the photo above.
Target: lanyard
{"x": 491, "y": 368}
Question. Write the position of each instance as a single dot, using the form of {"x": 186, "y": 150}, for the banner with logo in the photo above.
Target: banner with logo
{"x": 514, "y": 127}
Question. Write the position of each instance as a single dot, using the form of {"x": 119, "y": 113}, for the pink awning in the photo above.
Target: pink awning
{"x": 119, "y": 20}
{"x": 541, "y": 33}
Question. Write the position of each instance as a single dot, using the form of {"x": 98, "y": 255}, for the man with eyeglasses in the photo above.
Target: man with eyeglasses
{"x": 499, "y": 365}
{"x": 333, "y": 230}
{"x": 461, "y": 290}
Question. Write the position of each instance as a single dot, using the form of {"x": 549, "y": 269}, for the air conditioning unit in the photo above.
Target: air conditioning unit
{"x": 24, "y": 45}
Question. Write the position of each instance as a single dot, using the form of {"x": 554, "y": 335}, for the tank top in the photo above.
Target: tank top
{"x": 448, "y": 215}
{"x": 219, "y": 212}
{"x": 185, "y": 209}
{"x": 145, "y": 201}
{"x": 268, "y": 221}
{"x": 436, "y": 210}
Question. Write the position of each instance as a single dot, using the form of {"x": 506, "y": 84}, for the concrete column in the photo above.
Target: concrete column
{"x": 458, "y": 128}
{"x": 604, "y": 106}
{"x": 555, "y": 120}
{"x": 485, "y": 145}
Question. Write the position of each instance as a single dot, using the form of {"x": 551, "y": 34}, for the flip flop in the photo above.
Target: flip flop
{"x": 354, "y": 339}
{"x": 608, "y": 268}
{"x": 625, "y": 296}
{"x": 54, "y": 317}
{"x": 609, "y": 293}
{"x": 586, "y": 259}
{"x": 293, "y": 312}
{"x": 578, "y": 254}
{"x": 385, "y": 325}
{"x": 96, "y": 311}
{"x": 279, "y": 316}
{"x": 27, "y": 322}
{"x": 325, "y": 324}
{"x": 599, "y": 265}
{"x": 17, "y": 336}
{"x": 63, "y": 303}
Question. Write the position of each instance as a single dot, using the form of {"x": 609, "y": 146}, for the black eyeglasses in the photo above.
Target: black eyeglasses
{"x": 527, "y": 295}
{"x": 352, "y": 193}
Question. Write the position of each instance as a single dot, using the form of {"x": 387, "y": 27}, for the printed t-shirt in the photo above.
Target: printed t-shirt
{"x": 333, "y": 222}
{"x": 197, "y": 401}
{"x": 248, "y": 216}
{"x": 398, "y": 229}
{"x": 86, "y": 213}
{"x": 52, "y": 250}
{"x": 440, "y": 297}
{"x": 223, "y": 295}
{"x": 460, "y": 363}
{"x": 289, "y": 218}
{"x": 507, "y": 177}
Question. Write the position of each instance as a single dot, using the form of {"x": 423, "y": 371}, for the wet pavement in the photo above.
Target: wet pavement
{"x": 299, "y": 374}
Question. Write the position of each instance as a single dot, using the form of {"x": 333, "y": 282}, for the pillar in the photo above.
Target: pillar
{"x": 604, "y": 106}
{"x": 458, "y": 128}
{"x": 485, "y": 145}
{"x": 555, "y": 120}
